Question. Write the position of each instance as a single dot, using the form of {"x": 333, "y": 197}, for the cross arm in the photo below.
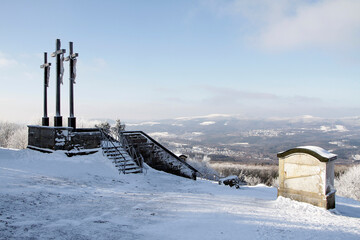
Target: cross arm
{"x": 60, "y": 51}
{"x": 45, "y": 65}
{"x": 72, "y": 56}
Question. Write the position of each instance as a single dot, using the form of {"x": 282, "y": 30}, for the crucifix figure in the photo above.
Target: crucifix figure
{"x": 72, "y": 66}
{"x": 46, "y": 67}
{"x": 59, "y": 54}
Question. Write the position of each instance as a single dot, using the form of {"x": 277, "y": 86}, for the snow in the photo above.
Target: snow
{"x": 197, "y": 133}
{"x": 207, "y": 123}
{"x": 322, "y": 152}
{"x": 161, "y": 135}
{"x": 143, "y": 124}
{"x": 239, "y": 143}
{"x": 48, "y": 196}
{"x": 337, "y": 128}
{"x": 214, "y": 115}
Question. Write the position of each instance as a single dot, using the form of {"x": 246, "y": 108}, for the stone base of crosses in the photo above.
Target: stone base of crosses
{"x": 58, "y": 121}
{"x": 63, "y": 138}
{"x": 45, "y": 121}
{"x": 72, "y": 122}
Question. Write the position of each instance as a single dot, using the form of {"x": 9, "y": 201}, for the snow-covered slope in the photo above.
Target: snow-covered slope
{"x": 50, "y": 196}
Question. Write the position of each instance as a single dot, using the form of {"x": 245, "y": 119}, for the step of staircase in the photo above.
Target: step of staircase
{"x": 126, "y": 165}
{"x": 121, "y": 159}
{"x": 138, "y": 170}
{"x": 124, "y": 154}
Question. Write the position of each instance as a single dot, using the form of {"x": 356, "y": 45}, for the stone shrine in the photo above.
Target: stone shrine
{"x": 306, "y": 174}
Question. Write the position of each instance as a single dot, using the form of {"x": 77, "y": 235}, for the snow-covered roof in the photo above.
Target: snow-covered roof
{"x": 317, "y": 152}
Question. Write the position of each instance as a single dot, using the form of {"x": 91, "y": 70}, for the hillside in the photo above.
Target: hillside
{"x": 232, "y": 138}
{"x": 50, "y": 196}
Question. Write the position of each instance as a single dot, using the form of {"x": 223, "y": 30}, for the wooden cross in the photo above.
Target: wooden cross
{"x": 46, "y": 67}
{"x": 72, "y": 67}
{"x": 72, "y": 58}
{"x": 59, "y": 54}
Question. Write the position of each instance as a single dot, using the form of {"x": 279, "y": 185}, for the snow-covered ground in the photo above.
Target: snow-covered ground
{"x": 51, "y": 196}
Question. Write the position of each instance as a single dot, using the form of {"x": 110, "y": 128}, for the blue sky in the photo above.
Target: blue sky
{"x": 147, "y": 60}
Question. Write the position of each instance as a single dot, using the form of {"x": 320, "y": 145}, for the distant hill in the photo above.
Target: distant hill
{"x": 234, "y": 138}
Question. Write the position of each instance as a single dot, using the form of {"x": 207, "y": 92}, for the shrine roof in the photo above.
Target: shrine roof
{"x": 317, "y": 152}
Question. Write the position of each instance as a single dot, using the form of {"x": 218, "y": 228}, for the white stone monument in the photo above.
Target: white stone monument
{"x": 306, "y": 174}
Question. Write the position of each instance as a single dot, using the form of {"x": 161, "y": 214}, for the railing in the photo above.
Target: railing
{"x": 162, "y": 147}
{"x": 138, "y": 158}
{"x": 208, "y": 176}
{"x": 107, "y": 141}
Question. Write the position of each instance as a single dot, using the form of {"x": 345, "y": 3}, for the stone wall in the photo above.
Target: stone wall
{"x": 86, "y": 138}
{"x": 63, "y": 138}
{"x": 159, "y": 157}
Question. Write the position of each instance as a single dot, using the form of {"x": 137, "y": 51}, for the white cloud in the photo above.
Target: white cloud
{"x": 323, "y": 24}
{"x": 6, "y": 62}
{"x": 287, "y": 25}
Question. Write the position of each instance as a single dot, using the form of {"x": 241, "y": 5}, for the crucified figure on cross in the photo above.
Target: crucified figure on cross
{"x": 59, "y": 54}
{"x": 72, "y": 66}
{"x": 46, "y": 67}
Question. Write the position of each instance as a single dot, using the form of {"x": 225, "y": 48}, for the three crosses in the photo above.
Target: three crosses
{"x": 72, "y": 58}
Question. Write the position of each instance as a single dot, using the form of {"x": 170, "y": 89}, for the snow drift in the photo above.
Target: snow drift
{"x": 48, "y": 196}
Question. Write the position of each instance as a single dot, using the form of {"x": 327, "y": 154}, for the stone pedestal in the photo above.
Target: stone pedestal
{"x": 63, "y": 138}
{"x": 72, "y": 122}
{"x": 58, "y": 121}
{"x": 45, "y": 121}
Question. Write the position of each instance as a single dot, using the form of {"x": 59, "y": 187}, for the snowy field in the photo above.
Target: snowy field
{"x": 51, "y": 196}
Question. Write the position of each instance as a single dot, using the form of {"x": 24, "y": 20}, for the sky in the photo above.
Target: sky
{"x": 149, "y": 60}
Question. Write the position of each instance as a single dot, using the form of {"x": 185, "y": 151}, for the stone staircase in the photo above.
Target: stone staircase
{"x": 148, "y": 149}
{"x": 118, "y": 154}
{"x": 122, "y": 160}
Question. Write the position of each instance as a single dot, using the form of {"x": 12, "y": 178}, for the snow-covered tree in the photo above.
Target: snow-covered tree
{"x": 348, "y": 185}
{"x": 104, "y": 125}
{"x": 118, "y": 128}
{"x": 204, "y": 168}
{"x": 19, "y": 139}
{"x": 6, "y": 131}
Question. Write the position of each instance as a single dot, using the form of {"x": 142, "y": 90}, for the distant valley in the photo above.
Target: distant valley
{"x": 227, "y": 138}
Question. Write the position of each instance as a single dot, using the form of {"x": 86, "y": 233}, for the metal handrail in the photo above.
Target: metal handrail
{"x": 107, "y": 138}
{"x": 138, "y": 158}
{"x": 163, "y": 148}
